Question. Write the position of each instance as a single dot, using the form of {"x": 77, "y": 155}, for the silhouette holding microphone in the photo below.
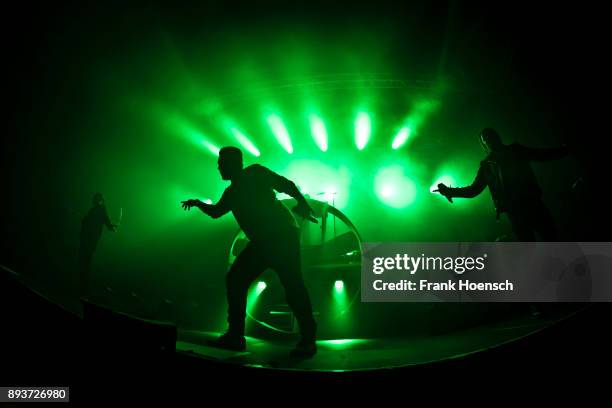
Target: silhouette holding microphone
{"x": 506, "y": 170}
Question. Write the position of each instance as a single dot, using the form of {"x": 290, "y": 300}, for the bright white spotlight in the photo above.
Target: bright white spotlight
{"x": 363, "y": 129}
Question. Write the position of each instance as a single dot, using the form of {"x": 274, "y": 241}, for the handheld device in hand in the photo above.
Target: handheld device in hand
{"x": 308, "y": 217}
{"x": 450, "y": 199}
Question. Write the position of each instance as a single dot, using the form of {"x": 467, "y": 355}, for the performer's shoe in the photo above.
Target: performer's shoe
{"x": 229, "y": 341}
{"x": 305, "y": 348}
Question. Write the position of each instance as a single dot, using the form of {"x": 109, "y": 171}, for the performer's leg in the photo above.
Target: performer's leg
{"x": 85, "y": 259}
{"x": 521, "y": 225}
{"x": 544, "y": 224}
{"x": 246, "y": 268}
{"x": 287, "y": 263}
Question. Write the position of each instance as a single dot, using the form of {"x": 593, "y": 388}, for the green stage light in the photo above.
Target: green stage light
{"x": 339, "y": 286}
{"x": 261, "y": 286}
{"x": 339, "y": 307}
{"x": 207, "y": 201}
{"x": 329, "y": 196}
{"x": 401, "y": 137}
{"x": 253, "y": 295}
{"x": 363, "y": 129}
{"x": 181, "y": 127}
{"x": 393, "y": 188}
{"x": 342, "y": 342}
{"x": 245, "y": 142}
{"x": 319, "y": 132}
{"x": 280, "y": 132}
{"x": 211, "y": 147}
{"x": 321, "y": 181}
{"x": 340, "y": 302}
{"x": 387, "y": 191}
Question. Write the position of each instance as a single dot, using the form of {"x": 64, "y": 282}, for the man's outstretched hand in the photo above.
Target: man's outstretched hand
{"x": 445, "y": 191}
{"x": 304, "y": 211}
{"x": 190, "y": 203}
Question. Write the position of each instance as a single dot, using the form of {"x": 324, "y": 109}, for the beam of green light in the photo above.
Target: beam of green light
{"x": 340, "y": 303}
{"x": 421, "y": 112}
{"x": 245, "y": 142}
{"x": 180, "y": 126}
{"x": 211, "y": 147}
{"x": 401, "y": 137}
{"x": 280, "y": 132}
{"x": 319, "y": 132}
{"x": 363, "y": 129}
{"x": 254, "y": 294}
{"x": 261, "y": 286}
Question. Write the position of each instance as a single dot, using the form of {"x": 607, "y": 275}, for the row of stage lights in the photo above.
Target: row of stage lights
{"x": 363, "y": 131}
{"x": 392, "y": 189}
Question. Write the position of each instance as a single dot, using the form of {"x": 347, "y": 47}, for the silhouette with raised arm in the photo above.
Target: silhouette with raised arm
{"x": 91, "y": 232}
{"x": 274, "y": 242}
{"x": 506, "y": 170}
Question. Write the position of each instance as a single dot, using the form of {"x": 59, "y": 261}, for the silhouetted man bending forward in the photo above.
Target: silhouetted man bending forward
{"x": 274, "y": 242}
{"x": 506, "y": 170}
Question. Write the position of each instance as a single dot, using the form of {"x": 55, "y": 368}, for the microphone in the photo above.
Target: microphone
{"x": 308, "y": 217}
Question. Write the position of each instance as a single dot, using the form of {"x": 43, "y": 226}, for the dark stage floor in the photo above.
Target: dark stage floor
{"x": 364, "y": 354}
